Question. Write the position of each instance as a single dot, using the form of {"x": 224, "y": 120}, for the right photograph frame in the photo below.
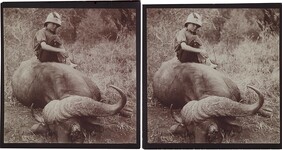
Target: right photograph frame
{"x": 211, "y": 76}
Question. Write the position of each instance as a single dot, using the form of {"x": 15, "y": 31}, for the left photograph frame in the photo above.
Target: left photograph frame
{"x": 70, "y": 74}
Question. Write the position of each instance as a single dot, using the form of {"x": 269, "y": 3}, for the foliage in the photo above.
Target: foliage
{"x": 219, "y": 24}
{"x": 106, "y": 24}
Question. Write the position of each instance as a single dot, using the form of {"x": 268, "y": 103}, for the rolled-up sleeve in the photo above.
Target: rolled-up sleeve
{"x": 180, "y": 37}
{"x": 39, "y": 38}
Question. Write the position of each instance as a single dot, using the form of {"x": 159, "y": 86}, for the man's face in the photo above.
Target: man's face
{"x": 193, "y": 27}
{"x": 52, "y": 27}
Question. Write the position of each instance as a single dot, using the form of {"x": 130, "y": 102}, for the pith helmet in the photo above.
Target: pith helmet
{"x": 54, "y": 17}
{"x": 194, "y": 18}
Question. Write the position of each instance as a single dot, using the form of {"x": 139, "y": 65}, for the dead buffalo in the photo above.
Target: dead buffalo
{"x": 69, "y": 98}
{"x": 209, "y": 99}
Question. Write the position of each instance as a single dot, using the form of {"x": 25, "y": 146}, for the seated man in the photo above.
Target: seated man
{"x": 188, "y": 46}
{"x": 47, "y": 44}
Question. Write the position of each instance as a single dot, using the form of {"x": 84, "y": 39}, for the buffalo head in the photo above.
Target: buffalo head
{"x": 76, "y": 106}
{"x": 62, "y": 117}
{"x": 205, "y": 118}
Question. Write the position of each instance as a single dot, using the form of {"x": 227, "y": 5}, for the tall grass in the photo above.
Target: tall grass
{"x": 110, "y": 62}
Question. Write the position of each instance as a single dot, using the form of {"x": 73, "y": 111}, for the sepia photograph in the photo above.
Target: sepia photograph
{"x": 212, "y": 75}
{"x": 70, "y": 74}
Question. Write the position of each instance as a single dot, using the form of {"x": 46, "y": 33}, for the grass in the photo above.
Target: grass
{"x": 106, "y": 63}
{"x": 247, "y": 63}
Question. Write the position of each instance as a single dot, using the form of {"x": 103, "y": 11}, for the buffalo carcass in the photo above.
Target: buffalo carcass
{"x": 69, "y": 98}
{"x": 181, "y": 84}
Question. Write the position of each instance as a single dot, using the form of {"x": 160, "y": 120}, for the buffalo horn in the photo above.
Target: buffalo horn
{"x": 74, "y": 106}
{"x": 215, "y": 106}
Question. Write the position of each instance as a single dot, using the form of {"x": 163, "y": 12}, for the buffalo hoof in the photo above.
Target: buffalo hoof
{"x": 265, "y": 112}
{"x": 126, "y": 112}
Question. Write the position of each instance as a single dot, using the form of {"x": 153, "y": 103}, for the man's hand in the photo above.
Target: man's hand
{"x": 64, "y": 53}
{"x": 204, "y": 53}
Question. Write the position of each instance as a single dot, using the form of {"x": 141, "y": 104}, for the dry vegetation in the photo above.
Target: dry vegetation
{"x": 245, "y": 43}
{"x": 103, "y": 44}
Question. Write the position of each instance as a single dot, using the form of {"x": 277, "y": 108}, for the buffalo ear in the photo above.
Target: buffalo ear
{"x": 35, "y": 116}
{"x": 178, "y": 129}
{"x": 39, "y": 128}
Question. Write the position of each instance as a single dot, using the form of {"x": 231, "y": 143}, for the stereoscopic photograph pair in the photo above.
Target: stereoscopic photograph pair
{"x": 71, "y": 75}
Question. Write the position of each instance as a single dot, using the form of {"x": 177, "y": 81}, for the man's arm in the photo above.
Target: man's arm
{"x": 188, "y": 48}
{"x": 51, "y": 48}
{"x": 200, "y": 50}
